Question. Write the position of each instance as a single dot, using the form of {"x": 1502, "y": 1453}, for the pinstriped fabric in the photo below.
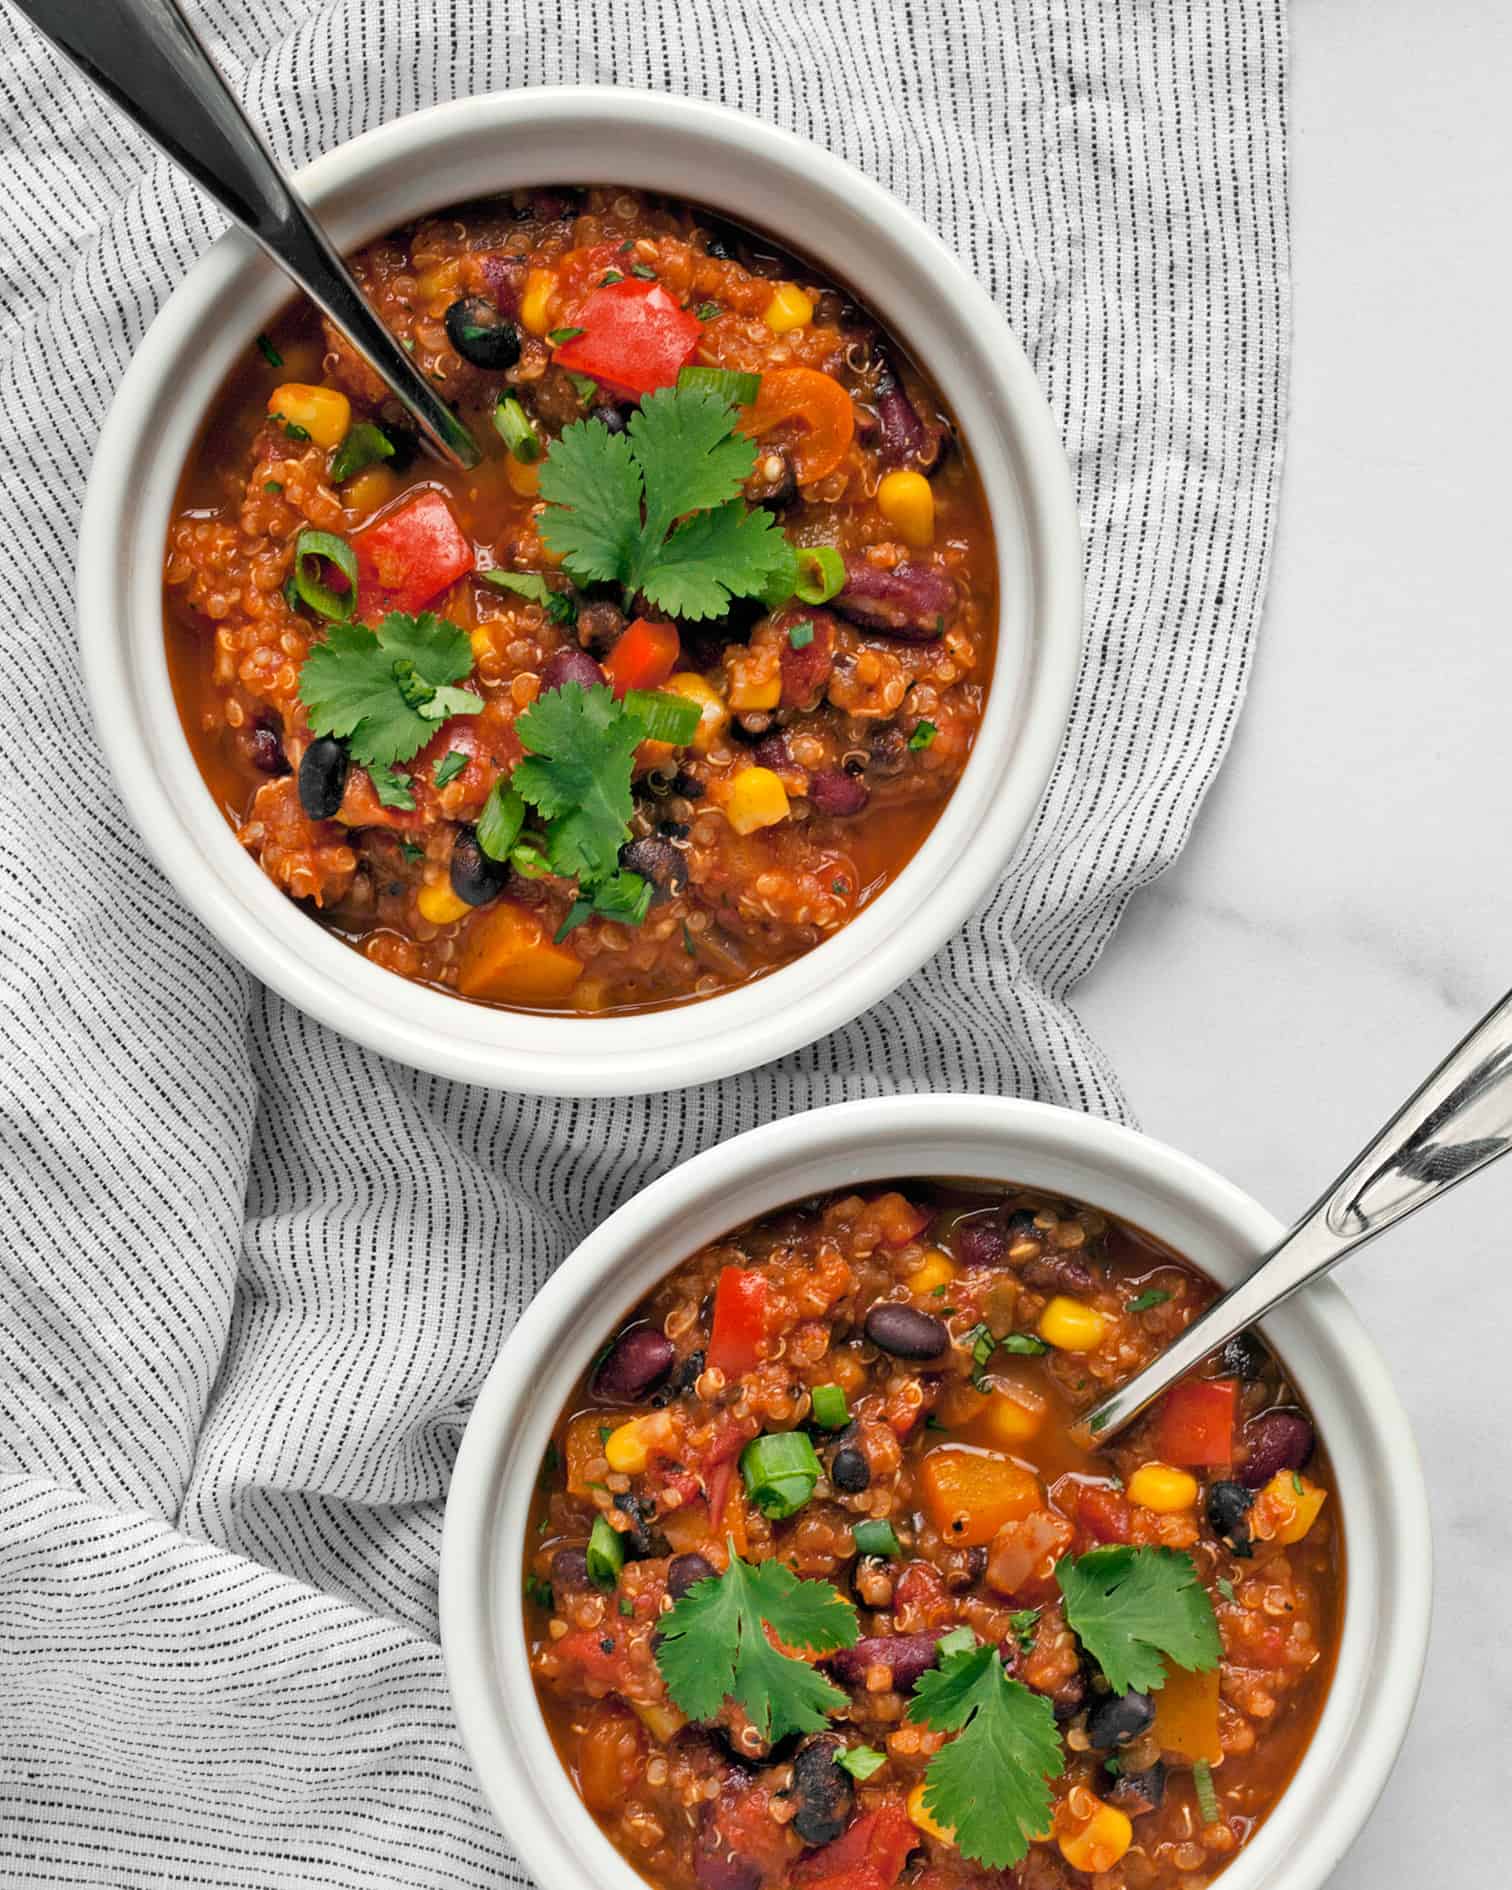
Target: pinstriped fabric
{"x": 254, "y": 1276}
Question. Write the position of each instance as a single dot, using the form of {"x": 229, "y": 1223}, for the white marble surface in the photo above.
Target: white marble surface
{"x": 1343, "y": 911}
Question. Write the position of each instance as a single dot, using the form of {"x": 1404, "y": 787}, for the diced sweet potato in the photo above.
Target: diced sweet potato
{"x": 969, "y": 1494}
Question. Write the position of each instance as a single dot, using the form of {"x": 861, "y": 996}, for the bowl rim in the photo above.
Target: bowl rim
{"x": 361, "y": 186}
{"x": 1388, "y": 1566}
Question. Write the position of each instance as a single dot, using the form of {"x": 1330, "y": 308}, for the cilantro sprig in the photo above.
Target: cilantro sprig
{"x": 655, "y": 508}
{"x": 714, "y": 1645}
{"x": 1129, "y": 1607}
{"x": 386, "y": 691}
{"x": 990, "y": 1784}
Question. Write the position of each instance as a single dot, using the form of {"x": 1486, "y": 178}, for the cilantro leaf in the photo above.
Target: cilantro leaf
{"x": 392, "y": 788}
{"x": 448, "y": 768}
{"x": 384, "y": 690}
{"x": 689, "y": 456}
{"x": 714, "y": 1644}
{"x": 734, "y": 551}
{"x": 592, "y": 487}
{"x": 1130, "y": 1606}
{"x": 623, "y": 896}
{"x": 499, "y": 824}
{"x": 990, "y": 1784}
{"x": 581, "y": 744}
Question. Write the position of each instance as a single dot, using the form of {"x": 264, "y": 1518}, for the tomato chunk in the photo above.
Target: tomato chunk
{"x": 878, "y": 1842}
{"x": 740, "y": 1306}
{"x": 644, "y": 656}
{"x": 1197, "y": 1421}
{"x": 635, "y": 337}
{"x": 409, "y": 556}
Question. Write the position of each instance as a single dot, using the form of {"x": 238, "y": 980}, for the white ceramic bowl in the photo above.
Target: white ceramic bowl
{"x": 757, "y": 175}
{"x": 1335, "y": 1367}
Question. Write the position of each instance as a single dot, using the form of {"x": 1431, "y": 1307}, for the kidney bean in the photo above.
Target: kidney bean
{"x": 904, "y": 1333}
{"x": 910, "y": 602}
{"x": 772, "y": 752}
{"x": 266, "y": 751}
{"x": 687, "y": 1570}
{"x": 505, "y": 276}
{"x": 569, "y": 1568}
{"x": 979, "y": 1243}
{"x": 323, "y": 777}
{"x": 837, "y": 793}
{"x": 475, "y": 877}
{"x": 824, "y": 1793}
{"x": 571, "y": 666}
{"x": 907, "y": 1655}
{"x": 636, "y": 1363}
{"x": 903, "y": 438}
{"x": 717, "y": 1869}
{"x": 1276, "y": 1440}
{"x": 1059, "y": 1273}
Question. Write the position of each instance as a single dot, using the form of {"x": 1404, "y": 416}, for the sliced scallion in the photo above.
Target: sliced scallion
{"x": 665, "y": 717}
{"x": 606, "y": 1553}
{"x": 737, "y": 388}
{"x": 861, "y": 1761}
{"x": 500, "y": 822}
{"x": 1207, "y": 1796}
{"x": 311, "y": 551}
{"x": 517, "y": 430}
{"x": 801, "y": 635}
{"x": 876, "y": 1538}
{"x": 780, "y": 1473}
{"x": 830, "y": 1408}
{"x": 924, "y": 733}
{"x": 821, "y": 574}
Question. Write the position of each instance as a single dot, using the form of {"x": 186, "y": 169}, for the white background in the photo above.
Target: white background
{"x": 1343, "y": 912}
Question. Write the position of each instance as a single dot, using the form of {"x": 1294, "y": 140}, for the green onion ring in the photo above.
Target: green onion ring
{"x": 309, "y": 549}
{"x": 821, "y": 574}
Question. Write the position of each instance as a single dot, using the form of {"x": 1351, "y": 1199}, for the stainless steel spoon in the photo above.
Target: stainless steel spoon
{"x": 145, "y": 56}
{"x": 1459, "y": 1120}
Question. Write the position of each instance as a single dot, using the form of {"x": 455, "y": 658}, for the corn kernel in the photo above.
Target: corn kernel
{"x": 789, "y": 308}
{"x": 906, "y": 501}
{"x": 1297, "y": 1509}
{"x": 523, "y": 479}
{"x": 1094, "y": 1843}
{"x": 324, "y": 414}
{"x": 440, "y": 905}
{"x": 1014, "y": 1417}
{"x": 1159, "y": 1487}
{"x": 756, "y": 799}
{"x": 370, "y": 489}
{"x": 481, "y": 640}
{"x": 535, "y": 303}
{"x": 1070, "y": 1326}
{"x": 626, "y": 1449}
{"x": 936, "y": 1269}
{"x": 923, "y": 1819}
{"x": 715, "y": 712}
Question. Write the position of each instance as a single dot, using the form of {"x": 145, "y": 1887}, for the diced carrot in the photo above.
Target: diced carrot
{"x": 1196, "y": 1425}
{"x": 1186, "y": 1715}
{"x": 969, "y": 1494}
{"x": 822, "y": 410}
{"x": 506, "y": 956}
{"x": 644, "y": 657}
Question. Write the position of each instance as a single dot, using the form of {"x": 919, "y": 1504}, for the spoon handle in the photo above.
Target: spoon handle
{"x": 1459, "y": 1120}
{"x": 145, "y": 56}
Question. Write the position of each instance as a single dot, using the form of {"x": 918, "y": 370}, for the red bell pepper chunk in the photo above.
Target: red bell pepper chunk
{"x": 409, "y": 556}
{"x": 635, "y": 338}
{"x": 644, "y": 656}
{"x": 877, "y": 1842}
{"x": 740, "y": 1304}
{"x": 1197, "y": 1422}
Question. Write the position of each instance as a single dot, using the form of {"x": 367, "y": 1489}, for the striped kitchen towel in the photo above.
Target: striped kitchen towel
{"x": 253, "y": 1276}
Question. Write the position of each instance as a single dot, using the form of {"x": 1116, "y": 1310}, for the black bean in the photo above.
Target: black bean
{"x": 474, "y": 876}
{"x": 685, "y": 1570}
{"x": 570, "y": 665}
{"x": 658, "y": 861}
{"x": 849, "y": 1470}
{"x": 1135, "y": 1792}
{"x": 907, "y": 1655}
{"x": 641, "y": 1539}
{"x": 611, "y": 418}
{"x": 1228, "y": 1507}
{"x": 1114, "y": 1719}
{"x": 481, "y": 335}
{"x": 636, "y": 1363}
{"x": 267, "y": 751}
{"x": 599, "y": 624}
{"x": 323, "y": 777}
{"x": 837, "y": 793}
{"x": 687, "y": 786}
{"x": 688, "y": 1373}
{"x": 1245, "y": 1356}
{"x": 824, "y": 1793}
{"x": 1020, "y": 1224}
{"x": 569, "y": 1568}
{"x": 904, "y": 1333}
{"x": 1276, "y": 1440}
